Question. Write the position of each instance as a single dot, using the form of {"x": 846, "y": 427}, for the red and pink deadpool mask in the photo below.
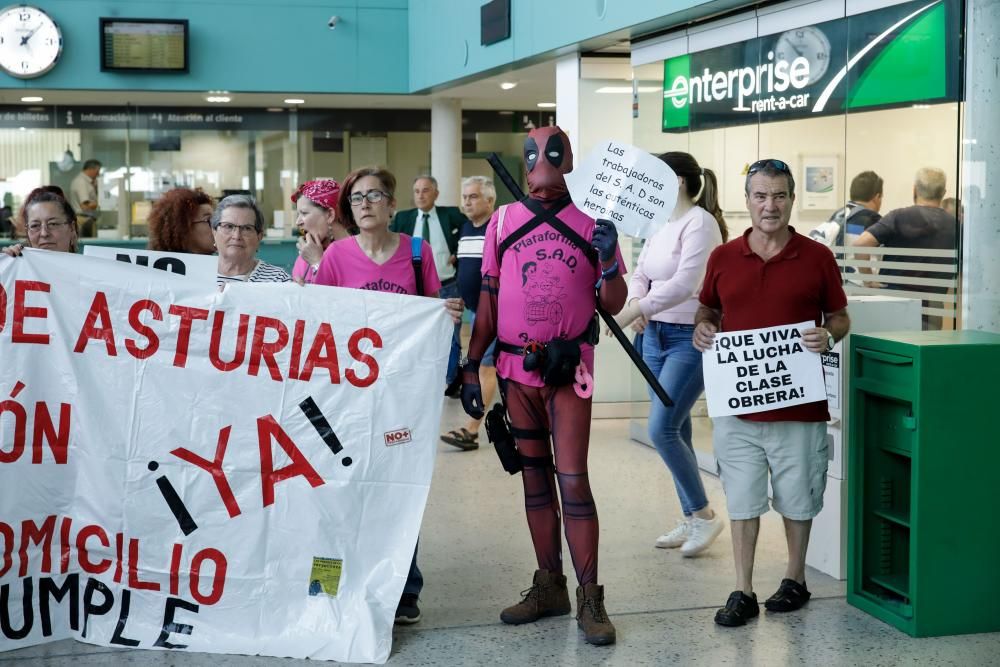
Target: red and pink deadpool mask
{"x": 548, "y": 157}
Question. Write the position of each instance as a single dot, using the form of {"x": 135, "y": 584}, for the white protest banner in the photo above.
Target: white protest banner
{"x": 231, "y": 472}
{"x": 761, "y": 369}
{"x": 625, "y": 185}
{"x": 203, "y": 268}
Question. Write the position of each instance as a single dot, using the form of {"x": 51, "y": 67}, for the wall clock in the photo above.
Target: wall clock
{"x": 30, "y": 41}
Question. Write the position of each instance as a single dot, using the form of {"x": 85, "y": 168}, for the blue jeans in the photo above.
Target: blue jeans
{"x": 414, "y": 578}
{"x": 668, "y": 352}
{"x": 448, "y": 292}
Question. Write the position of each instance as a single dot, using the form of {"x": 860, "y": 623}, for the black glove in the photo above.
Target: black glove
{"x": 472, "y": 391}
{"x": 605, "y": 239}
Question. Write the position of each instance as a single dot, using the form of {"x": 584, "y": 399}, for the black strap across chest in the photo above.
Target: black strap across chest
{"x": 547, "y": 216}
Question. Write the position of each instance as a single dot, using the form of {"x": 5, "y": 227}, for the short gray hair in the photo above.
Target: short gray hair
{"x": 929, "y": 183}
{"x": 428, "y": 177}
{"x": 485, "y": 183}
{"x": 239, "y": 201}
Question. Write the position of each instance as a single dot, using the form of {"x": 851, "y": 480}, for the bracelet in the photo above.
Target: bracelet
{"x": 607, "y": 274}
{"x": 315, "y": 268}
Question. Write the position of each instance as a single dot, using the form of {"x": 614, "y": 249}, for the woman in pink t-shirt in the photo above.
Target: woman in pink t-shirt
{"x": 662, "y": 301}
{"x": 318, "y": 224}
{"x": 381, "y": 260}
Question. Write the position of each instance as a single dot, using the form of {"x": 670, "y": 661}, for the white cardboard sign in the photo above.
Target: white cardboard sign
{"x": 186, "y": 469}
{"x": 761, "y": 369}
{"x": 203, "y": 268}
{"x": 626, "y": 185}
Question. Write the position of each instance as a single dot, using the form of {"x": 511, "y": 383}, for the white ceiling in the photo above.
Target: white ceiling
{"x": 536, "y": 83}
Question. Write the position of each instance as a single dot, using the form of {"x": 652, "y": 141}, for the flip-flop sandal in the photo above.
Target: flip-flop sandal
{"x": 462, "y": 438}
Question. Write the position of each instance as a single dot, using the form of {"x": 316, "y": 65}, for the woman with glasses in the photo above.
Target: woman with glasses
{"x": 662, "y": 301}
{"x": 381, "y": 260}
{"x": 49, "y": 220}
{"x": 238, "y": 226}
{"x": 318, "y": 224}
{"x": 181, "y": 222}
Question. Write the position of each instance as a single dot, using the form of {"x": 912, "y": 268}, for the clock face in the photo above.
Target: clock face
{"x": 30, "y": 41}
{"x": 809, "y": 43}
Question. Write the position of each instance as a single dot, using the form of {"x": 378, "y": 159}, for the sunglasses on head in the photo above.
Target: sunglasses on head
{"x": 764, "y": 164}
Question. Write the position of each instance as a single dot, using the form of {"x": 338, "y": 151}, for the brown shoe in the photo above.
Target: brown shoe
{"x": 548, "y": 596}
{"x": 591, "y": 616}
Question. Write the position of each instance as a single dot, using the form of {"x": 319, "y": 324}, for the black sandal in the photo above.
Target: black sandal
{"x": 791, "y": 595}
{"x": 739, "y": 608}
{"x": 462, "y": 438}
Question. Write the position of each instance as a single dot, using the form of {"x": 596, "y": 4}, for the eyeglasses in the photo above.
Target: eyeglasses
{"x": 768, "y": 162}
{"x": 206, "y": 221}
{"x": 229, "y": 228}
{"x": 373, "y": 197}
{"x": 52, "y": 226}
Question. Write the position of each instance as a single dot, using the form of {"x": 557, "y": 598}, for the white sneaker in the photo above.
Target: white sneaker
{"x": 675, "y": 537}
{"x": 701, "y": 534}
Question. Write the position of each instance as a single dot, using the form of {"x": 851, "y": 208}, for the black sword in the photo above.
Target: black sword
{"x": 515, "y": 189}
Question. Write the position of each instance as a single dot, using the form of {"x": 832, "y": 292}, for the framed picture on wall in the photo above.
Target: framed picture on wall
{"x": 819, "y": 183}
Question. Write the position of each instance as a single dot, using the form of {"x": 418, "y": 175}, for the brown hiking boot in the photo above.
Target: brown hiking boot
{"x": 591, "y": 616}
{"x": 548, "y": 596}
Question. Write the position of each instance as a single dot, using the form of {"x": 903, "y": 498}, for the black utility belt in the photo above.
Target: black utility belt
{"x": 557, "y": 359}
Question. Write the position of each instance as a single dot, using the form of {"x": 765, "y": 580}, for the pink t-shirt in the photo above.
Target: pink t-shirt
{"x": 546, "y": 286}
{"x": 302, "y": 270}
{"x": 345, "y": 264}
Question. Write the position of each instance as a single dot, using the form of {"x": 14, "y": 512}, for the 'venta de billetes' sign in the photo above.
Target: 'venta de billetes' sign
{"x": 181, "y": 468}
{"x": 893, "y": 56}
{"x": 761, "y": 369}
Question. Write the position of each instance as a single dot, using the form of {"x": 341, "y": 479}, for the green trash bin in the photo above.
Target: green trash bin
{"x": 923, "y": 533}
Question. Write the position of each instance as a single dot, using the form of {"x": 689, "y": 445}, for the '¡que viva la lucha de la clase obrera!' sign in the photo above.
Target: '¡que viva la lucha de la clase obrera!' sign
{"x": 893, "y": 56}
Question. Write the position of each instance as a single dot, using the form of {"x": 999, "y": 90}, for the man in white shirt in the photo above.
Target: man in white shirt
{"x": 84, "y": 197}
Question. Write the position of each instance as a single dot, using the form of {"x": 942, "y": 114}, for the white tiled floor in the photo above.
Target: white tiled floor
{"x": 476, "y": 556}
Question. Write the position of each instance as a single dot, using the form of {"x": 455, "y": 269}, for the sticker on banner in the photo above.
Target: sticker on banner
{"x": 761, "y": 369}
{"x": 397, "y": 437}
{"x": 625, "y": 185}
{"x": 325, "y": 576}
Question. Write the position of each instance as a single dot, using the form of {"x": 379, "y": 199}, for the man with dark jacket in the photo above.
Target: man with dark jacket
{"x": 860, "y": 213}
{"x": 439, "y": 226}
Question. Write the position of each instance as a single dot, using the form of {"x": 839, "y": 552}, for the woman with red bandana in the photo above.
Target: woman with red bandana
{"x": 542, "y": 260}
{"x": 318, "y": 224}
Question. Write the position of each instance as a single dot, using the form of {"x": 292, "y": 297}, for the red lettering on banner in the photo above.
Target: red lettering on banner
{"x": 259, "y": 350}
{"x": 218, "y": 578}
{"x": 64, "y": 544}
{"x": 241, "y": 342}
{"x": 293, "y": 364}
{"x": 88, "y": 565}
{"x": 8, "y": 547}
{"x": 23, "y": 312}
{"x": 214, "y": 468}
{"x": 133, "y": 569}
{"x": 41, "y": 536}
{"x": 355, "y": 351}
{"x": 3, "y": 307}
{"x": 91, "y": 330}
{"x": 322, "y": 354}
{"x": 45, "y": 431}
{"x": 20, "y": 415}
{"x": 187, "y": 314}
{"x": 152, "y": 340}
{"x": 175, "y": 567}
{"x": 268, "y": 428}
{"x": 119, "y": 538}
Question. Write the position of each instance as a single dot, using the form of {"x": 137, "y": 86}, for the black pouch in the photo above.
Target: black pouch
{"x": 561, "y": 359}
{"x": 498, "y": 432}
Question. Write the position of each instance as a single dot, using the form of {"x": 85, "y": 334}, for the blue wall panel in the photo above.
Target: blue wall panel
{"x": 243, "y": 45}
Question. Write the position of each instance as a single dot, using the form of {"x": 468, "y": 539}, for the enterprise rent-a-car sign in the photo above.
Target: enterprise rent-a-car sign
{"x": 895, "y": 56}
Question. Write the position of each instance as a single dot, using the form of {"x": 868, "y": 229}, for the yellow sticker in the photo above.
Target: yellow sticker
{"x": 325, "y": 577}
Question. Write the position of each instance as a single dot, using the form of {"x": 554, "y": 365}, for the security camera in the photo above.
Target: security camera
{"x": 332, "y": 23}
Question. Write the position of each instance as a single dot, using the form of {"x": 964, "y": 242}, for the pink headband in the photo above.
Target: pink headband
{"x": 322, "y": 192}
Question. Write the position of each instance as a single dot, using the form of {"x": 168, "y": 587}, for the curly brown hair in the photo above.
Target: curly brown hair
{"x": 171, "y": 218}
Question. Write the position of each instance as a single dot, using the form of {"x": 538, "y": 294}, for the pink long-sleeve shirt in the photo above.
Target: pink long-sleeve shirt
{"x": 671, "y": 267}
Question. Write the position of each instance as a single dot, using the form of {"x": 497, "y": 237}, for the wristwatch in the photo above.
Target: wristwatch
{"x": 830, "y": 341}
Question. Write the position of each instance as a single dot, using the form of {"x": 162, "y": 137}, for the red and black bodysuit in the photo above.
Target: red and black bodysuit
{"x": 543, "y": 259}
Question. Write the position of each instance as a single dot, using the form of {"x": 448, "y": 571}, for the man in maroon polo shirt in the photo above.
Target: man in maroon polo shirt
{"x": 768, "y": 277}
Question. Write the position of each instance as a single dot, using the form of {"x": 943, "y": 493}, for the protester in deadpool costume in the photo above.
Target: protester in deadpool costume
{"x": 545, "y": 263}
